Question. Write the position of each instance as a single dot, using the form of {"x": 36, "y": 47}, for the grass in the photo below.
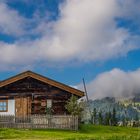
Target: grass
{"x": 86, "y": 132}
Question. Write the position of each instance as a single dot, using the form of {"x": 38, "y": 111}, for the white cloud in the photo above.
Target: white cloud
{"x": 115, "y": 83}
{"x": 11, "y": 22}
{"x": 85, "y": 31}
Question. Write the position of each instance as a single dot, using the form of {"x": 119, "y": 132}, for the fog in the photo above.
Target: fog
{"x": 115, "y": 83}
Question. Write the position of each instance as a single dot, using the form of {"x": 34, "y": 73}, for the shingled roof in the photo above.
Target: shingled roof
{"x": 43, "y": 79}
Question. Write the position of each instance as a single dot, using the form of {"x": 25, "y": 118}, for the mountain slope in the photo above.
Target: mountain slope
{"x": 125, "y": 108}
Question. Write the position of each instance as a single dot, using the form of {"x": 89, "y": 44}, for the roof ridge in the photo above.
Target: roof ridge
{"x": 43, "y": 79}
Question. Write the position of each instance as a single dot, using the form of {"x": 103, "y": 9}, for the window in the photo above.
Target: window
{"x": 49, "y": 103}
{"x": 3, "y": 106}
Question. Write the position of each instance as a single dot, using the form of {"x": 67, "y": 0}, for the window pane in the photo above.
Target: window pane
{"x": 3, "y": 105}
{"x": 49, "y": 103}
{"x": 4, "y": 108}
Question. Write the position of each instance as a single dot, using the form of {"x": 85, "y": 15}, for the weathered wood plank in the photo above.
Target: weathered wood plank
{"x": 40, "y": 122}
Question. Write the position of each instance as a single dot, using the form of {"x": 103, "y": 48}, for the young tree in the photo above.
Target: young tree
{"x": 100, "y": 118}
{"x": 110, "y": 118}
{"x": 73, "y": 107}
{"x": 124, "y": 121}
{"x": 114, "y": 119}
{"x": 137, "y": 117}
{"x": 106, "y": 118}
{"x": 94, "y": 115}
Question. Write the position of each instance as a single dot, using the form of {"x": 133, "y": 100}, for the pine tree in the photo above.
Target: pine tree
{"x": 124, "y": 121}
{"x": 110, "y": 118}
{"x": 136, "y": 117}
{"x": 106, "y": 118}
{"x": 114, "y": 119}
{"x": 100, "y": 118}
{"x": 94, "y": 115}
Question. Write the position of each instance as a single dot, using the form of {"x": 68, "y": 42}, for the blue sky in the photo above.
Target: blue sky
{"x": 69, "y": 39}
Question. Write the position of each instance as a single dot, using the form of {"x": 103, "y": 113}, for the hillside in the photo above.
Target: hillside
{"x": 125, "y": 108}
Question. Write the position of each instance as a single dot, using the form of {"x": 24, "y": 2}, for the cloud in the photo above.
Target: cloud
{"x": 85, "y": 31}
{"x": 130, "y": 8}
{"x": 115, "y": 83}
{"x": 11, "y": 23}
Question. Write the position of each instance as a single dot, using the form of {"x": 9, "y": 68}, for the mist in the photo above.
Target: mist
{"x": 115, "y": 83}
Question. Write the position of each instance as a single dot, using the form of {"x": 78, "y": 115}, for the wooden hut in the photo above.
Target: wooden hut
{"x": 29, "y": 93}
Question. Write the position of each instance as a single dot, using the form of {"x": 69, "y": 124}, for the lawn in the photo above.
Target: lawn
{"x": 86, "y": 132}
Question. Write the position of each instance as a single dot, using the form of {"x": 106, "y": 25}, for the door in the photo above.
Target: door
{"x": 22, "y": 106}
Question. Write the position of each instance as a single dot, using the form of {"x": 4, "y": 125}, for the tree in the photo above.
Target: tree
{"x": 100, "y": 118}
{"x": 108, "y": 116}
{"x": 114, "y": 119}
{"x": 73, "y": 107}
{"x": 136, "y": 117}
{"x": 94, "y": 115}
{"x": 124, "y": 121}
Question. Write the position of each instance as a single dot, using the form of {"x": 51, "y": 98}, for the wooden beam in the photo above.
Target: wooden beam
{"x": 43, "y": 79}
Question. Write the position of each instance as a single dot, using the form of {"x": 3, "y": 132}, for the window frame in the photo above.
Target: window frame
{"x": 4, "y": 101}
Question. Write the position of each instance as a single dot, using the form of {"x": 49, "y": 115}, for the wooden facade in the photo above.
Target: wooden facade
{"x": 32, "y": 93}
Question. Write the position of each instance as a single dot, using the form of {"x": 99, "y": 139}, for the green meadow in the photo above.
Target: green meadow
{"x": 85, "y": 132}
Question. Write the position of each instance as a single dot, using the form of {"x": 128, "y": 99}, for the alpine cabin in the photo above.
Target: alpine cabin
{"x": 29, "y": 93}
